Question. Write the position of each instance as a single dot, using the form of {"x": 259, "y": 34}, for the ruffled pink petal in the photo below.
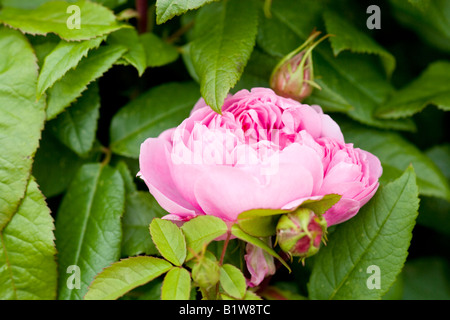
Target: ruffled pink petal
{"x": 155, "y": 172}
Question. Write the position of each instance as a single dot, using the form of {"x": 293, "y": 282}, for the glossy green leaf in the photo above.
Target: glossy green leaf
{"x": 200, "y": 231}
{"x": 233, "y": 281}
{"x": 52, "y": 17}
{"x": 136, "y": 55}
{"x": 432, "y": 87}
{"x": 260, "y": 222}
{"x": 125, "y": 275}
{"x": 75, "y": 81}
{"x": 176, "y": 285}
{"x": 377, "y": 237}
{"x": 88, "y": 226}
{"x": 21, "y": 119}
{"x": 27, "y": 251}
{"x": 348, "y": 37}
{"x": 430, "y": 20}
{"x": 76, "y": 127}
{"x": 140, "y": 209}
{"x": 167, "y": 9}
{"x": 224, "y": 39}
{"x": 63, "y": 57}
{"x": 52, "y": 158}
{"x": 238, "y": 233}
{"x": 169, "y": 240}
{"x": 351, "y": 83}
{"x": 157, "y": 51}
{"x": 156, "y": 110}
{"x": 426, "y": 278}
{"x": 396, "y": 154}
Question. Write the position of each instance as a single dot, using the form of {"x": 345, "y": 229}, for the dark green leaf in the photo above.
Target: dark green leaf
{"x": 51, "y": 159}
{"x": 63, "y": 57}
{"x": 136, "y": 55}
{"x": 395, "y": 154}
{"x": 224, "y": 38}
{"x": 378, "y": 236}
{"x": 345, "y": 36}
{"x": 75, "y": 81}
{"x": 167, "y": 9}
{"x": 157, "y": 51}
{"x": 127, "y": 274}
{"x": 156, "y": 110}
{"x": 140, "y": 209}
{"x": 77, "y": 126}
{"x": 432, "y": 87}
{"x": 88, "y": 226}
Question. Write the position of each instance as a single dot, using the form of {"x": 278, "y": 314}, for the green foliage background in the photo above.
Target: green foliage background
{"x": 75, "y": 105}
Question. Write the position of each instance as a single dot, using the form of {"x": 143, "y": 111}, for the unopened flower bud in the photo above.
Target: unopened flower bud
{"x": 206, "y": 272}
{"x": 293, "y": 76}
{"x": 299, "y": 233}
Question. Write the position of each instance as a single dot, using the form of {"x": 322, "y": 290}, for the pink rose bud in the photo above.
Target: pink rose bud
{"x": 299, "y": 233}
{"x": 293, "y": 76}
{"x": 260, "y": 264}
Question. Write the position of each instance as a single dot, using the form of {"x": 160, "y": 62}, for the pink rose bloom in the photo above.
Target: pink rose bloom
{"x": 263, "y": 151}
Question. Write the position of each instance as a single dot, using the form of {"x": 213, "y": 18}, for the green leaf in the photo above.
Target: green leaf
{"x": 432, "y": 87}
{"x": 77, "y": 126}
{"x": 51, "y": 159}
{"x": 169, "y": 240}
{"x": 128, "y": 180}
{"x": 156, "y": 110}
{"x": 348, "y": 37}
{"x": 120, "y": 277}
{"x": 233, "y": 281}
{"x": 136, "y": 55}
{"x": 65, "y": 56}
{"x": 225, "y": 34}
{"x": 379, "y": 235}
{"x": 140, "y": 209}
{"x": 52, "y": 17}
{"x": 167, "y": 9}
{"x": 88, "y": 226}
{"x": 201, "y": 230}
{"x": 27, "y": 251}
{"x": 351, "y": 83}
{"x": 429, "y": 20}
{"x": 426, "y": 278}
{"x": 238, "y": 233}
{"x": 260, "y": 222}
{"x": 396, "y": 154}
{"x": 21, "y": 119}
{"x": 157, "y": 51}
{"x": 75, "y": 81}
{"x": 176, "y": 285}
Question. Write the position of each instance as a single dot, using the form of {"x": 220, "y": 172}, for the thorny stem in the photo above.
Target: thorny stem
{"x": 222, "y": 256}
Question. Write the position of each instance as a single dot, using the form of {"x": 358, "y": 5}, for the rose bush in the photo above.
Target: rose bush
{"x": 263, "y": 151}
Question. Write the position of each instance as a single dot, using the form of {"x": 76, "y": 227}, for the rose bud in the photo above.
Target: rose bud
{"x": 260, "y": 264}
{"x": 293, "y": 76}
{"x": 206, "y": 272}
{"x": 299, "y": 233}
